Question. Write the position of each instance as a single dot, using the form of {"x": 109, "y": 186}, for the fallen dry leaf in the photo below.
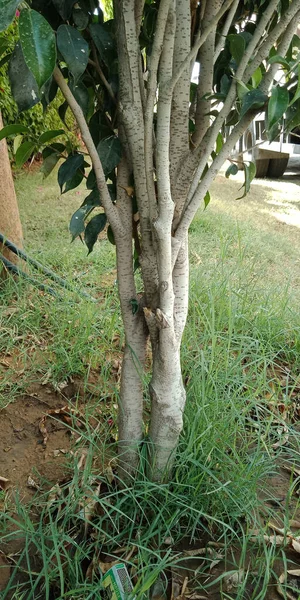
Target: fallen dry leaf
{"x": 233, "y": 580}
{"x": 32, "y": 484}
{"x": 292, "y": 576}
{"x": 3, "y": 483}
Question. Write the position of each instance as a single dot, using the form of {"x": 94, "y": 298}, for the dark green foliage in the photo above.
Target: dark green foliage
{"x": 103, "y": 42}
{"x": 237, "y": 44}
{"x": 70, "y": 172}
{"x": 252, "y": 100}
{"x": 250, "y": 170}
{"x": 38, "y": 45}
{"x": 232, "y": 170}
{"x": 24, "y": 152}
{"x": 74, "y": 49}
{"x": 277, "y": 106}
{"x": 81, "y": 94}
{"x": 12, "y": 130}
{"x": 7, "y": 12}
{"x": 92, "y": 230}
{"x": 110, "y": 152}
{"x": 77, "y": 224}
{"x": 23, "y": 84}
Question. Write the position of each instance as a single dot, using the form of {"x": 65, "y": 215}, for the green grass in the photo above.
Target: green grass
{"x": 243, "y": 321}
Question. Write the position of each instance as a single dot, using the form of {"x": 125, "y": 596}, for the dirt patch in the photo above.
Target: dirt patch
{"x": 22, "y": 453}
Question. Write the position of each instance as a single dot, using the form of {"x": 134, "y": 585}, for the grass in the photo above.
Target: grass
{"x": 243, "y": 323}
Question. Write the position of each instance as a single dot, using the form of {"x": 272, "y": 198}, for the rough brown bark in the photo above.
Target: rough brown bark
{"x": 10, "y": 224}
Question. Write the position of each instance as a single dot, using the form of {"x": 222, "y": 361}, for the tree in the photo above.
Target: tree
{"x": 156, "y": 141}
{"x": 10, "y": 224}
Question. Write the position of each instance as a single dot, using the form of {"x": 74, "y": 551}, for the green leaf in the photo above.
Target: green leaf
{"x": 250, "y": 171}
{"x": 49, "y": 163}
{"x": 17, "y": 143}
{"x": 69, "y": 168}
{"x": 92, "y": 230}
{"x": 110, "y": 236}
{"x": 12, "y": 130}
{"x": 99, "y": 127}
{"x": 77, "y": 225}
{"x": 225, "y": 84}
{"x": 91, "y": 180}
{"x": 50, "y": 135}
{"x": 7, "y": 12}
{"x": 237, "y": 45}
{"x": 293, "y": 116}
{"x": 297, "y": 93}
{"x": 38, "y": 45}
{"x": 252, "y": 100}
{"x": 23, "y": 85}
{"x": 23, "y": 153}
{"x": 256, "y": 77}
{"x": 242, "y": 89}
{"x": 219, "y": 143}
{"x": 93, "y": 199}
{"x": 55, "y": 147}
{"x": 64, "y": 7}
{"x": 103, "y": 41}
{"x": 277, "y": 105}
{"x": 74, "y": 49}
{"x": 110, "y": 152}
{"x": 74, "y": 182}
{"x": 232, "y": 170}
{"x": 81, "y": 95}
{"x": 134, "y": 305}
{"x": 80, "y": 18}
{"x": 279, "y": 60}
{"x": 206, "y": 200}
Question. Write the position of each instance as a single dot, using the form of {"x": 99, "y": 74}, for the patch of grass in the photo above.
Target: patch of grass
{"x": 243, "y": 324}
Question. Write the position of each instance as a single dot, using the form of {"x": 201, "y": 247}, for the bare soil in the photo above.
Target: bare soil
{"x": 22, "y": 454}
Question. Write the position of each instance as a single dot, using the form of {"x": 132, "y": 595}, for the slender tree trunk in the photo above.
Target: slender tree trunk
{"x": 130, "y": 423}
{"x": 167, "y": 390}
{"x": 10, "y": 224}
{"x": 167, "y": 405}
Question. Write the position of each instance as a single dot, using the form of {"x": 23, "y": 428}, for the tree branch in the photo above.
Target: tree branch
{"x": 96, "y": 65}
{"x": 272, "y": 38}
{"x": 179, "y": 133}
{"x": 109, "y": 207}
{"x": 206, "y": 59}
{"x": 163, "y": 223}
{"x": 282, "y": 50}
{"x": 203, "y": 186}
{"x": 227, "y": 25}
{"x": 200, "y": 39}
{"x": 151, "y": 95}
{"x": 204, "y": 151}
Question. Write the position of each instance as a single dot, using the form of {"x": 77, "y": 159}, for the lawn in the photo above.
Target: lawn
{"x": 211, "y": 532}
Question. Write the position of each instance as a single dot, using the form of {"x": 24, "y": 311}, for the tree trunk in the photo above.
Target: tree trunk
{"x": 167, "y": 405}
{"x": 167, "y": 390}
{"x": 10, "y": 224}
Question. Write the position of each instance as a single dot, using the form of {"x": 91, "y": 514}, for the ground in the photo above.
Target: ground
{"x": 236, "y": 482}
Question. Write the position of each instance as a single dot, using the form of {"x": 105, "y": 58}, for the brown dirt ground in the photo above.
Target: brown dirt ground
{"x": 22, "y": 453}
